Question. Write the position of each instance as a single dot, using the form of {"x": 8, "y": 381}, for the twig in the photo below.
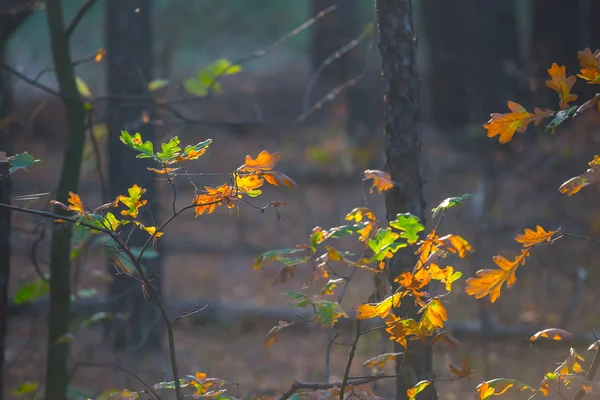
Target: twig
{"x": 323, "y": 386}
{"x": 30, "y": 81}
{"x": 350, "y": 359}
{"x": 193, "y": 311}
{"x": 590, "y": 374}
{"x": 98, "y": 156}
{"x": 80, "y": 14}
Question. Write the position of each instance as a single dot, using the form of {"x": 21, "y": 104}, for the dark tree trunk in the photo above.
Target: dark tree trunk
{"x": 402, "y": 150}
{"x": 130, "y": 68}
{"x": 60, "y": 252}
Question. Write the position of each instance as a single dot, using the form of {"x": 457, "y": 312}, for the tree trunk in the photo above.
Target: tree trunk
{"x": 402, "y": 150}
{"x": 60, "y": 291}
{"x": 130, "y": 68}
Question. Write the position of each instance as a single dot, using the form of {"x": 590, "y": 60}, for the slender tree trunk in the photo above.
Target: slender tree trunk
{"x": 130, "y": 68}
{"x": 60, "y": 291}
{"x": 402, "y": 150}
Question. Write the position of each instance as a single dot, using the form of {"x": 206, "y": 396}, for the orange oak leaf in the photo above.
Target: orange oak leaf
{"x": 590, "y": 65}
{"x": 531, "y": 238}
{"x": 490, "y": 281}
{"x": 249, "y": 184}
{"x": 589, "y": 177}
{"x": 277, "y": 178}
{"x": 434, "y": 316}
{"x": 485, "y": 390}
{"x": 264, "y": 162}
{"x": 207, "y": 203}
{"x": 561, "y": 84}
{"x": 457, "y": 245}
{"x": 506, "y": 125}
{"x": 367, "y": 311}
{"x": 465, "y": 368}
{"x": 381, "y": 180}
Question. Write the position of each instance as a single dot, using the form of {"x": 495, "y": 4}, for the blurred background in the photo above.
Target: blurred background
{"x": 315, "y": 97}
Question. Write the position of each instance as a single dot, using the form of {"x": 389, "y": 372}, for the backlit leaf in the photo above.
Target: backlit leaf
{"x": 506, "y": 125}
{"x": 264, "y": 162}
{"x": 418, "y": 388}
{"x": 589, "y": 177}
{"x": 384, "y": 244}
{"x": 133, "y": 202}
{"x": 449, "y": 203}
{"x": 83, "y": 88}
{"x": 277, "y": 178}
{"x": 382, "y": 310}
{"x": 169, "y": 150}
{"x": 561, "y": 84}
{"x": 157, "y": 84}
{"x": 410, "y": 226}
{"x": 380, "y": 360}
{"x": 434, "y": 316}
{"x": 381, "y": 180}
{"x": 490, "y": 281}
{"x": 457, "y": 245}
{"x": 590, "y": 66}
{"x": 552, "y": 333}
{"x": 328, "y": 312}
{"x": 146, "y": 149}
{"x": 531, "y": 237}
{"x": 275, "y": 255}
{"x": 19, "y": 161}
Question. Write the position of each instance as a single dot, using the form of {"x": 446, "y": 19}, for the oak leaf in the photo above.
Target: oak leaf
{"x": 490, "y": 281}
{"x": 561, "y": 84}
{"x": 381, "y": 180}
{"x": 380, "y": 360}
{"x": 590, "y": 65}
{"x": 133, "y": 201}
{"x": 531, "y": 238}
{"x": 434, "y": 316}
{"x": 465, "y": 368}
{"x": 506, "y": 125}
{"x": 265, "y": 161}
{"x": 418, "y": 388}
{"x": 277, "y": 178}
{"x": 367, "y": 311}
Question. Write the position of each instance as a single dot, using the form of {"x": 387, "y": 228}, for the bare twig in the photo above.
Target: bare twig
{"x": 78, "y": 17}
{"x": 30, "y": 81}
{"x": 357, "y": 336}
{"x": 193, "y": 311}
{"x": 590, "y": 374}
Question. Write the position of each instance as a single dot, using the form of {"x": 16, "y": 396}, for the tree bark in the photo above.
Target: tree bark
{"x": 402, "y": 150}
{"x": 60, "y": 291}
{"x": 130, "y": 68}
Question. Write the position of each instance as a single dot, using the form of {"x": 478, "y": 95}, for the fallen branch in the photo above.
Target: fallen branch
{"x": 324, "y": 386}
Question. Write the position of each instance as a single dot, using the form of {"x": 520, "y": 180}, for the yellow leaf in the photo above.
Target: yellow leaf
{"x": 506, "y": 125}
{"x": 561, "y": 84}
{"x": 380, "y": 360}
{"x": 456, "y": 244}
{"x": 367, "y": 311}
{"x": 531, "y": 237}
{"x": 418, "y": 388}
{"x": 213, "y": 197}
{"x": 76, "y": 204}
{"x": 490, "y": 281}
{"x": 133, "y": 201}
{"x": 590, "y": 65}
{"x": 83, "y": 88}
{"x": 434, "y": 316}
{"x": 99, "y": 55}
{"x": 381, "y": 180}
{"x": 163, "y": 171}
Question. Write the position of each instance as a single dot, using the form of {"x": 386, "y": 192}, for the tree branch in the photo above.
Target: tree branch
{"x": 324, "y": 386}
{"x": 78, "y": 17}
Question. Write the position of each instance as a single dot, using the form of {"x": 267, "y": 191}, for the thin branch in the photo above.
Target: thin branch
{"x": 350, "y": 359}
{"x": 78, "y": 17}
{"x": 30, "y": 81}
{"x": 324, "y": 386}
{"x": 98, "y": 156}
{"x": 590, "y": 374}
{"x": 193, "y": 311}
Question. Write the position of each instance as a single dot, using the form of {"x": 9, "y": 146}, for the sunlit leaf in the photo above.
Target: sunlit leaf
{"x": 157, "y": 84}
{"x": 146, "y": 149}
{"x": 589, "y": 177}
{"x": 276, "y": 255}
{"x": 552, "y": 333}
{"x": 561, "y": 84}
{"x": 133, "y": 202}
{"x": 83, "y": 88}
{"x": 380, "y": 360}
{"x": 328, "y": 312}
{"x": 531, "y": 238}
{"x": 410, "y": 226}
{"x": 490, "y": 281}
{"x": 277, "y": 178}
{"x": 434, "y": 316}
{"x": 384, "y": 244}
{"x": 590, "y": 66}
{"x": 418, "y": 388}
{"x": 449, "y": 203}
{"x": 169, "y": 150}
{"x": 382, "y": 310}
{"x": 19, "y": 161}
{"x": 457, "y": 245}
{"x": 264, "y": 162}
{"x": 506, "y": 125}
{"x": 381, "y": 180}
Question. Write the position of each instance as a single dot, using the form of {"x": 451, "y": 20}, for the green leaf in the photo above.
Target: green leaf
{"x": 136, "y": 143}
{"x": 99, "y": 316}
{"x": 24, "y": 389}
{"x": 223, "y": 67}
{"x": 33, "y": 291}
{"x": 383, "y": 242}
{"x": 169, "y": 150}
{"x": 20, "y": 161}
{"x": 328, "y": 312}
{"x": 194, "y": 86}
{"x": 83, "y": 88}
{"x": 561, "y": 117}
{"x": 418, "y": 388}
{"x": 197, "y": 147}
{"x": 304, "y": 300}
{"x": 450, "y": 202}
{"x": 157, "y": 84}
{"x": 274, "y": 255}
{"x": 409, "y": 225}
